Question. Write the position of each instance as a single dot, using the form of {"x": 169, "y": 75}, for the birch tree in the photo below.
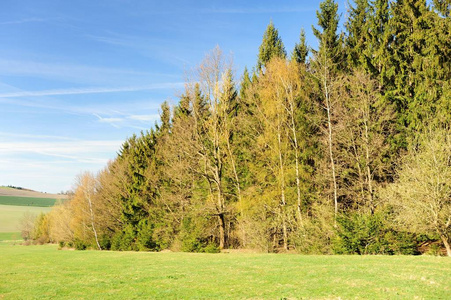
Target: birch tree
{"x": 421, "y": 193}
{"x": 83, "y": 203}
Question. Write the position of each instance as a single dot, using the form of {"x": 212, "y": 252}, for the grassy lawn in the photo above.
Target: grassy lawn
{"x": 10, "y": 236}
{"x": 27, "y": 201}
{"x": 10, "y": 216}
{"x": 45, "y": 272}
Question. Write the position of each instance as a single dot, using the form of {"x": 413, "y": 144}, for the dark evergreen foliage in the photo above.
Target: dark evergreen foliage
{"x": 272, "y": 46}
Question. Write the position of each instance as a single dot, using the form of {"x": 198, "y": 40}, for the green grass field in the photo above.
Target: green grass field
{"x": 27, "y": 201}
{"x": 32, "y": 272}
{"x": 10, "y": 236}
{"x": 10, "y": 216}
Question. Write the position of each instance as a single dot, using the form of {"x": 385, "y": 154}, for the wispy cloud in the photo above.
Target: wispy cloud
{"x": 35, "y": 136}
{"x": 115, "y": 122}
{"x": 144, "y": 118}
{"x": 50, "y": 163}
{"x": 96, "y": 90}
{"x": 121, "y": 120}
{"x": 79, "y": 151}
{"x": 227, "y": 10}
{"x": 77, "y": 72}
{"x": 160, "y": 48}
{"x": 22, "y": 21}
{"x": 262, "y": 10}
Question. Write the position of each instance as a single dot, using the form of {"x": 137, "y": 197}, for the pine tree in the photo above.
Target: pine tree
{"x": 357, "y": 27}
{"x": 330, "y": 43}
{"x": 300, "y": 51}
{"x": 272, "y": 46}
{"x": 377, "y": 61}
{"x": 165, "y": 119}
{"x": 245, "y": 84}
{"x": 418, "y": 62}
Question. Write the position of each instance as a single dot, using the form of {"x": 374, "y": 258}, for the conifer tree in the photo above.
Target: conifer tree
{"x": 271, "y": 46}
{"x": 245, "y": 83}
{"x": 357, "y": 27}
{"x": 377, "y": 61}
{"x": 165, "y": 119}
{"x": 300, "y": 51}
{"x": 418, "y": 62}
{"x": 329, "y": 41}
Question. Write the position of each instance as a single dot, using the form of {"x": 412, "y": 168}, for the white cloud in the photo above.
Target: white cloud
{"x": 157, "y": 48}
{"x": 22, "y": 21}
{"x": 144, "y": 118}
{"x": 52, "y": 166}
{"x": 115, "y": 122}
{"x": 77, "y": 72}
{"x": 97, "y": 90}
{"x": 257, "y": 10}
{"x": 78, "y": 150}
{"x": 123, "y": 120}
{"x": 35, "y": 136}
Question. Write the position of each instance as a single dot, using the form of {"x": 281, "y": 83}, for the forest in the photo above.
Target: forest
{"x": 343, "y": 149}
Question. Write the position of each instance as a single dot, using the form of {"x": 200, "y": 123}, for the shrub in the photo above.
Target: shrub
{"x": 211, "y": 248}
{"x": 144, "y": 235}
{"x": 105, "y": 242}
{"x": 79, "y": 245}
{"x": 368, "y": 234}
{"x": 194, "y": 239}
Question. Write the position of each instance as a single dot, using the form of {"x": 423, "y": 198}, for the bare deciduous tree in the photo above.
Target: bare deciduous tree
{"x": 422, "y": 192}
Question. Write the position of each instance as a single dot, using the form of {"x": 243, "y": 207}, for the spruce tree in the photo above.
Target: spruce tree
{"x": 410, "y": 67}
{"x": 300, "y": 51}
{"x": 329, "y": 41}
{"x": 272, "y": 46}
{"x": 245, "y": 84}
{"x": 377, "y": 60}
{"x": 357, "y": 27}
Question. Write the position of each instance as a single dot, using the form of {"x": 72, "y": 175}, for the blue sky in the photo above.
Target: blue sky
{"x": 79, "y": 77}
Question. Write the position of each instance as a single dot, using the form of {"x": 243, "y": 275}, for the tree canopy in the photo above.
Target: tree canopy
{"x": 345, "y": 150}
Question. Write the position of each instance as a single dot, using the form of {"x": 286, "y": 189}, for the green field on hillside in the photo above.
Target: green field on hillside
{"x": 27, "y": 201}
{"x": 11, "y": 215}
{"x": 45, "y": 272}
{"x": 10, "y": 236}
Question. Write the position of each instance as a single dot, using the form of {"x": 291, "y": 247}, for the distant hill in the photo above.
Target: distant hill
{"x": 26, "y": 197}
{"x": 22, "y": 192}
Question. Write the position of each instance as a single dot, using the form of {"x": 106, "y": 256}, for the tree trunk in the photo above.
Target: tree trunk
{"x": 221, "y": 231}
{"x": 446, "y": 243}
{"x": 238, "y": 191}
{"x": 370, "y": 179}
{"x": 331, "y": 154}
{"x": 88, "y": 197}
{"x": 298, "y": 182}
{"x": 221, "y": 218}
{"x": 282, "y": 191}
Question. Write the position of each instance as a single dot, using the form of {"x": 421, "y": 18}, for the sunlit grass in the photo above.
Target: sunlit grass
{"x": 27, "y": 201}
{"x": 10, "y": 236}
{"x": 45, "y": 272}
{"x": 11, "y": 216}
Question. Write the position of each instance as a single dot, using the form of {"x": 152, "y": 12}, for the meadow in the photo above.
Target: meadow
{"x": 11, "y": 216}
{"x": 29, "y": 272}
{"x": 27, "y": 201}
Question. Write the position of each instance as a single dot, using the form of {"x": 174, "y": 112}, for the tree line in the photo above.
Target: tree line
{"x": 341, "y": 149}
